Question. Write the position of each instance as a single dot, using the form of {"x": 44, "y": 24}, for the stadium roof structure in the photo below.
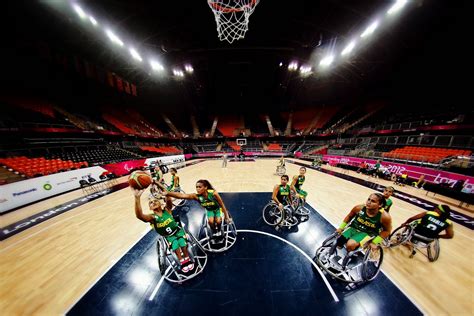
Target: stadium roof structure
{"x": 409, "y": 58}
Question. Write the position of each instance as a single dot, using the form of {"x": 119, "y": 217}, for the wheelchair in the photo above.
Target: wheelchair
{"x": 273, "y": 216}
{"x": 300, "y": 210}
{"x": 220, "y": 243}
{"x": 178, "y": 202}
{"x": 358, "y": 266}
{"x": 169, "y": 265}
{"x": 155, "y": 191}
{"x": 405, "y": 235}
{"x": 280, "y": 170}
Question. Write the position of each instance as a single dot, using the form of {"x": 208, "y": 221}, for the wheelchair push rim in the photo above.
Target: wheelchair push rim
{"x": 400, "y": 235}
{"x": 271, "y": 214}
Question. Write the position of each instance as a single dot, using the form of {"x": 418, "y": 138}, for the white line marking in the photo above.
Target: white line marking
{"x": 107, "y": 270}
{"x": 157, "y": 287}
{"x": 391, "y": 280}
{"x": 336, "y": 299}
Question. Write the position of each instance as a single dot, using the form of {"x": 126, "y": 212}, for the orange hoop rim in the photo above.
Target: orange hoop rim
{"x": 222, "y": 9}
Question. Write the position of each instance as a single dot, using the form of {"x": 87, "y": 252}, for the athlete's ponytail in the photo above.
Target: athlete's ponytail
{"x": 444, "y": 210}
{"x": 206, "y": 184}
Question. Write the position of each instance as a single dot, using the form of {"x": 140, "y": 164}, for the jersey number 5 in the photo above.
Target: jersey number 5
{"x": 431, "y": 226}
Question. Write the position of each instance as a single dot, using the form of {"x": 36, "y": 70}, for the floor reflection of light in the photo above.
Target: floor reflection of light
{"x": 151, "y": 261}
{"x": 125, "y": 304}
{"x": 140, "y": 279}
{"x": 370, "y": 306}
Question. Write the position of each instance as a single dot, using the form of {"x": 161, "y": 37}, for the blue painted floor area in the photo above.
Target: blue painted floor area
{"x": 259, "y": 274}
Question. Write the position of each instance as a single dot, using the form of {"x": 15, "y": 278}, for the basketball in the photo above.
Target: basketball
{"x": 139, "y": 180}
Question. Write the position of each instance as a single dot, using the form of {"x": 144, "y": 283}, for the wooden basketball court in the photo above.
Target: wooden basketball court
{"x": 47, "y": 268}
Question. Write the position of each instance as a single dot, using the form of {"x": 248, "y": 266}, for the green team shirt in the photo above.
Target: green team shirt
{"x": 210, "y": 203}
{"x": 299, "y": 182}
{"x": 430, "y": 225}
{"x": 172, "y": 186}
{"x": 283, "y": 193}
{"x": 164, "y": 225}
{"x": 388, "y": 204}
{"x": 369, "y": 225}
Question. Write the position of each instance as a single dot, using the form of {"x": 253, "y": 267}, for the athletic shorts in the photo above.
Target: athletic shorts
{"x": 214, "y": 213}
{"x": 304, "y": 194}
{"x": 356, "y": 235}
{"x": 177, "y": 240}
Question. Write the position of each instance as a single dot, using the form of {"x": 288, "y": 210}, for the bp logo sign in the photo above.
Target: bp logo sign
{"x": 47, "y": 186}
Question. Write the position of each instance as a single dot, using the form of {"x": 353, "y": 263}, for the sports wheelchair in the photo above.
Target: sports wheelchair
{"x": 291, "y": 215}
{"x": 299, "y": 207}
{"x": 405, "y": 235}
{"x": 357, "y": 266}
{"x": 156, "y": 192}
{"x": 169, "y": 265}
{"x": 219, "y": 242}
{"x": 280, "y": 170}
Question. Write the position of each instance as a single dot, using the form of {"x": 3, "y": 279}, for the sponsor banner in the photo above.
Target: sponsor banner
{"x": 456, "y": 216}
{"x": 236, "y": 153}
{"x": 124, "y": 167}
{"x": 26, "y": 223}
{"x": 431, "y": 175}
{"x": 176, "y": 161}
{"x": 20, "y": 193}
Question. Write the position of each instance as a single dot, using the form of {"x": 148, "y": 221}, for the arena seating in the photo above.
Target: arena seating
{"x": 233, "y": 145}
{"x": 274, "y": 147}
{"x": 31, "y": 167}
{"x": 169, "y": 150}
{"x": 429, "y": 154}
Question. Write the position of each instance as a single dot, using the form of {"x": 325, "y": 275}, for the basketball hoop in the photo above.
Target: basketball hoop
{"x": 232, "y": 17}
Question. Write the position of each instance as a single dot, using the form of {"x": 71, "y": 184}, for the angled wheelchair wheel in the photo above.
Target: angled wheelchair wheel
{"x": 280, "y": 170}
{"x": 172, "y": 268}
{"x": 433, "y": 250}
{"x": 178, "y": 202}
{"x": 327, "y": 247}
{"x": 331, "y": 239}
{"x": 301, "y": 210}
{"x": 221, "y": 243}
{"x": 372, "y": 263}
{"x": 161, "y": 249}
{"x": 271, "y": 214}
{"x": 400, "y": 235}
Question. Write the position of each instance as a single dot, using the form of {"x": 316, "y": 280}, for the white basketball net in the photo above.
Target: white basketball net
{"x": 232, "y": 17}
